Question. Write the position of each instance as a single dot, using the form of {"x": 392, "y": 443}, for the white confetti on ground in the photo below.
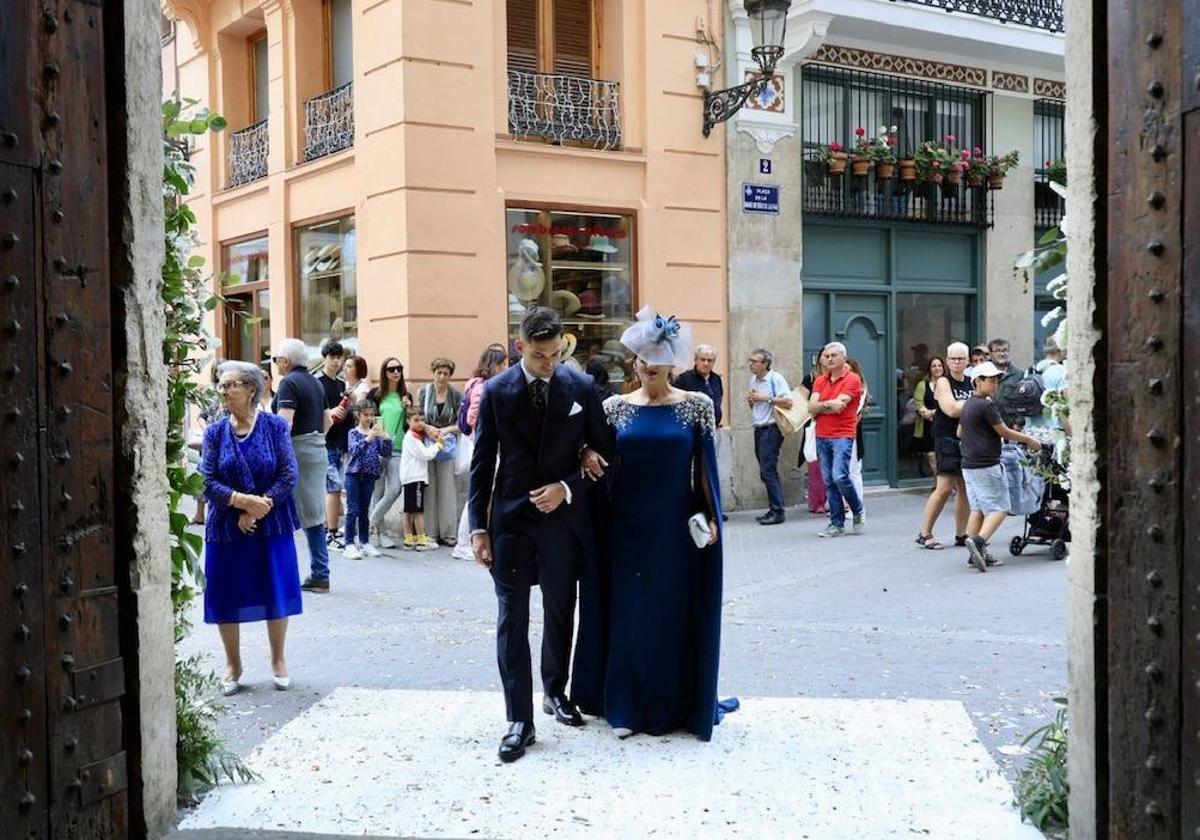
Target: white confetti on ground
{"x": 417, "y": 763}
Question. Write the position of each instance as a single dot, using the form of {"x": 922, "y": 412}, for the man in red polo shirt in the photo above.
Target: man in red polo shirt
{"x": 834, "y": 404}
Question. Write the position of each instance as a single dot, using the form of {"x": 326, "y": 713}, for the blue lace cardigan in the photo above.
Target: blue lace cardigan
{"x": 265, "y": 467}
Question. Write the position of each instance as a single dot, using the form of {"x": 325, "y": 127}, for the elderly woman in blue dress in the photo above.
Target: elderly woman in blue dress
{"x": 249, "y": 471}
{"x": 650, "y": 615}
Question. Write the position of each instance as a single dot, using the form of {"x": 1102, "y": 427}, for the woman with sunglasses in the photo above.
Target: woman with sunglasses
{"x": 393, "y": 399}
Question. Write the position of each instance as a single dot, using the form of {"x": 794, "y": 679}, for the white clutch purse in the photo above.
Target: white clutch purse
{"x": 698, "y": 528}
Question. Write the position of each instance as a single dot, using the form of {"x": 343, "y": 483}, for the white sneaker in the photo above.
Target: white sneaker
{"x": 369, "y": 550}
{"x": 386, "y": 542}
{"x": 461, "y": 553}
{"x": 352, "y": 552}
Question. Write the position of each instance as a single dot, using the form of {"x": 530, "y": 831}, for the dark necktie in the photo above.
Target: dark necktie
{"x": 537, "y": 390}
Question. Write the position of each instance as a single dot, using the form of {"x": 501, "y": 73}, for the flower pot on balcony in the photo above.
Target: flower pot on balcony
{"x": 837, "y": 163}
{"x": 975, "y": 180}
{"x": 954, "y": 177}
{"x": 884, "y": 171}
{"x": 860, "y": 165}
{"x": 908, "y": 170}
{"x": 995, "y": 182}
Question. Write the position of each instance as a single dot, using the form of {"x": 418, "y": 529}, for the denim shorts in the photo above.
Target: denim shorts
{"x": 987, "y": 489}
{"x": 335, "y": 475}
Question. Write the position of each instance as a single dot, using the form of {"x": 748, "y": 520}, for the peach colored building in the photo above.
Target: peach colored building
{"x": 408, "y": 175}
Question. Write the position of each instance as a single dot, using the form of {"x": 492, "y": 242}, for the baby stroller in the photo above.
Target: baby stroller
{"x": 1047, "y": 520}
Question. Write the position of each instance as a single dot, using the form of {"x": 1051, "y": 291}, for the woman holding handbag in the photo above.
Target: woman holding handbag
{"x": 492, "y": 361}
{"x": 650, "y": 615}
{"x": 441, "y": 401}
{"x": 808, "y": 454}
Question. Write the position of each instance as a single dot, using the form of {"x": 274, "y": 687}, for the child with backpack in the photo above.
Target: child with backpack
{"x": 980, "y": 428}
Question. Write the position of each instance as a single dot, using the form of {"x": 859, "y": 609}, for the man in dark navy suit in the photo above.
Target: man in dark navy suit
{"x": 529, "y": 513}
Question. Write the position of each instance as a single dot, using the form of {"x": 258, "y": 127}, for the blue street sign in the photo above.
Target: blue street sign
{"x": 764, "y": 166}
{"x": 760, "y": 198}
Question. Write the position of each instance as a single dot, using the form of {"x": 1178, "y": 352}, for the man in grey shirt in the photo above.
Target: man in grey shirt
{"x": 768, "y": 389}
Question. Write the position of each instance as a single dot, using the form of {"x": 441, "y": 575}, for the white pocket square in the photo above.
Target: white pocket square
{"x": 575, "y": 409}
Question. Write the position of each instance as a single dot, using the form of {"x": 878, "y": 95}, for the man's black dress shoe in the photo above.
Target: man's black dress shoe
{"x": 512, "y": 746}
{"x": 564, "y": 710}
{"x": 773, "y": 518}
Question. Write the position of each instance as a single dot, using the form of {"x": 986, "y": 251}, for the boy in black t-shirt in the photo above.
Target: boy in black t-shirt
{"x": 980, "y": 428}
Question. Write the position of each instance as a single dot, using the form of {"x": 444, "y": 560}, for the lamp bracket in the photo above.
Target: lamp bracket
{"x": 720, "y": 105}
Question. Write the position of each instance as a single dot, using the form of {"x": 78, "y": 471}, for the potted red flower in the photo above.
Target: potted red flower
{"x": 883, "y": 152}
{"x": 833, "y": 156}
{"x": 977, "y": 168}
{"x": 860, "y": 161}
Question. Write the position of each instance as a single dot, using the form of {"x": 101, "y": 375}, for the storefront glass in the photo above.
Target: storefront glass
{"x": 580, "y": 264}
{"x": 328, "y": 291}
{"x": 927, "y": 324}
{"x": 246, "y": 310}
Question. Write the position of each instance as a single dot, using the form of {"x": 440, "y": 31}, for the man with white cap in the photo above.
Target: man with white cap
{"x": 980, "y": 428}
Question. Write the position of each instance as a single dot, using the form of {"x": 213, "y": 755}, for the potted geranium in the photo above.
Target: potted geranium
{"x": 933, "y": 161}
{"x": 977, "y": 168}
{"x": 883, "y": 152}
{"x": 998, "y": 167}
{"x": 860, "y": 161}
{"x": 958, "y": 163}
{"x": 833, "y": 156}
{"x": 1056, "y": 171}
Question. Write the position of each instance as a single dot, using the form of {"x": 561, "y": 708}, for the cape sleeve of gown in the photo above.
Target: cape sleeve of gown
{"x": 707, "y": 489}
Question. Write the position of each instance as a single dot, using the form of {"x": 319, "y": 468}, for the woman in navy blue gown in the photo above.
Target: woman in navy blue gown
{"x": 249, "y": 471}
{"x": 650, "y": 615}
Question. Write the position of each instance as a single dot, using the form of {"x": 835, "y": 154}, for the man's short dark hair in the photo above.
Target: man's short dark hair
{"x": 541, "y": 323}
{"x": 997, "y": 342}
{"x": 332, "y": 348}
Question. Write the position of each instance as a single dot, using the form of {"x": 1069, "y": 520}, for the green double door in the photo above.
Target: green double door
{"x": 896, "y": 297}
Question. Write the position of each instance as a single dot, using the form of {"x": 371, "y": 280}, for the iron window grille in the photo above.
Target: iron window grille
{"x": 836, "y": 101}
{"x": 1049, "y": 146}
{"x": 248, "y": 154}
{"x": 329, "y": 122}
{"x": 564, "y": 109}
{"x": 1039, "y": 14}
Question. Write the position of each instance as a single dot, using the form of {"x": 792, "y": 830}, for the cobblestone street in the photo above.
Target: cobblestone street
{"x": 863, "y": 618}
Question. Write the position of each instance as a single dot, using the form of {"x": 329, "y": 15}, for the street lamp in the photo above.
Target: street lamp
{"x": 768, "y": 23}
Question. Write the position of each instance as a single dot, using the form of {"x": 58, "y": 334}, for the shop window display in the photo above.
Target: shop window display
{"x": 246, "y": 314}
{"x": 580, "y": 264}
{"x": 328, "y": 290}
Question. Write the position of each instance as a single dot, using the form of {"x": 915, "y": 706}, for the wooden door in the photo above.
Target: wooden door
{"x": 63, "y": 768}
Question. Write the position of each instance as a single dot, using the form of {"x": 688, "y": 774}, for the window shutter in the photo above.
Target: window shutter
{"x": 523, "y": 35}
{"x": 573, "y": 37}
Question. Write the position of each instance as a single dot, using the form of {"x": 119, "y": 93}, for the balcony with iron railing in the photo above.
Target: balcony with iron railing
{"x": 1049, "y": 162}
{"x": 248, "y": 154}
{"x": 1039, "y": 14}
{"x": 568, "y": 110}
{"x": 329, "y": 122}
{"x": 836, "y": 102}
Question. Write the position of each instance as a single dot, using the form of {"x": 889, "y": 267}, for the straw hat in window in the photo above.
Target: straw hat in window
{"x": 567, "y": 303}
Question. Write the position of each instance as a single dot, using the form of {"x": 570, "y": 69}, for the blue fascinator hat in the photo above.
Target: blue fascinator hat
{"x": 659, "y": 340}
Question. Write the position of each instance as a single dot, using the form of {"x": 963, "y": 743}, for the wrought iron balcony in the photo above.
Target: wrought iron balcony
{"x": 248, "y": 154}
{"x": 1049, "y": 162}
{"x": 564, "y": 109}
{"x": 889, "y": 199}
{"x": 329, "y": 122}
{"x": 1040, "y": 14}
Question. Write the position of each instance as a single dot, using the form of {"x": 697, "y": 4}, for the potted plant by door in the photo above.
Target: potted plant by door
{"x": 833, "y": 156}
{"x": 860, "y": 161}
{"x": 883, "y": 152}
{"x": 998, "y": 167}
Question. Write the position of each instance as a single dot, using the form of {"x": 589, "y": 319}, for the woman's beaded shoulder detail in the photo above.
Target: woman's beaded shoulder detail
{"x": 694, "y": 410}
{"x": 697, "y": 410}
{"x": 618, "y": 412}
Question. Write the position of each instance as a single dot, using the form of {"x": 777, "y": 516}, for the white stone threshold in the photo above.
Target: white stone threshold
{"x": 419, "y": 763}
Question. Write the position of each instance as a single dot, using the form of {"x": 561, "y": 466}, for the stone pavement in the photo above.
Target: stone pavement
{"x": 813, "y": 629}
